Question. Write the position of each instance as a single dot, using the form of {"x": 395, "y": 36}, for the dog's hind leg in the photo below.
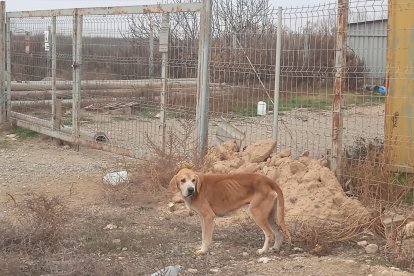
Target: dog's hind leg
{"x": 260, "y": 208}
{"x": 278, "y": 233}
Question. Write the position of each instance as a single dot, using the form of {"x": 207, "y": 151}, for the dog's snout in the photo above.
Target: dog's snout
{"x": 190, "y": 190}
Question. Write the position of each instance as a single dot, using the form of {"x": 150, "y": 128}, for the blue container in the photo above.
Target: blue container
{"x": 382, "y": 90}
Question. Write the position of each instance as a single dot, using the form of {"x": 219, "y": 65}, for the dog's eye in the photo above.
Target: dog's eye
{"x": 183, "y": 180}
{"x": 193, "y": 180}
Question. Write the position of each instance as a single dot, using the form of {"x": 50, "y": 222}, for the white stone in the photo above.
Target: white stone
{"x": 192, "y": 270}
{"x": 371, "y": 248}
{"x": 264, "y": 260}
{"x": 362, "y": 243}
{"x": 171, "y": 206}
{"x": 116, "y": 178}
{"x": 110, "y": 226}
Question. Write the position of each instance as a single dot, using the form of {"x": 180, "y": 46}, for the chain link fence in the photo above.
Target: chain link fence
{"x": 133, "y": 96}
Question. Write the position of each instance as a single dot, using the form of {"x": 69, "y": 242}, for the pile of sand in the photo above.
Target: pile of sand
{"x": 311, "y": 190}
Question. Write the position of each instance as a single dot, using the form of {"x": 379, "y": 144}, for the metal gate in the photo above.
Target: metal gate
{"x": 115, "y": 79}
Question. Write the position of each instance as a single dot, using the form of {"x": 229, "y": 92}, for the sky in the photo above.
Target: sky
{"x": 25, "y": 5}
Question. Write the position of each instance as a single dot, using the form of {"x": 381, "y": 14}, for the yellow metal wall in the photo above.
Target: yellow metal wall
{"x": 399, "y": 109}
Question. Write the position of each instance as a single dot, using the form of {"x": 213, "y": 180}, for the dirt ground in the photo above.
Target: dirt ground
{"x": 147, "y": 236}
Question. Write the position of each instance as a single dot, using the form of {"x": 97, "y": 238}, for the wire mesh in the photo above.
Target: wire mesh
{"x": 31, "y": 64}
{"x": 122, "y": 84}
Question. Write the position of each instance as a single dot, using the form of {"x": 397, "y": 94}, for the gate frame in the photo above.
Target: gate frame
{"x": 73, "y": 134}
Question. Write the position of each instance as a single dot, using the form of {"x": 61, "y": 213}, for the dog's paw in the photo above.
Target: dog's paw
{"x": 200, "y": 252}
{"x": 261, "y": 251}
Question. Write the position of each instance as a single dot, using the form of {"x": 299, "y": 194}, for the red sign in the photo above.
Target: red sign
{"x": 27, "y": 44}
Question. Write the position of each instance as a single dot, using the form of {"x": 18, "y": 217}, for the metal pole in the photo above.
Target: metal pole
{"x": 340, "y": 63}
{"x": 8, "y": 62}
{"x": 2, "y": 62}
{"x": 202, "y": 78}
{"x": 77, "y": 60}
{"x": 53, "y": 49}
{"x": 49, "y": 54}
{"x": 151, "y": 53}
{"x": 164, "y": 75}
{"x": 277, "y": 74}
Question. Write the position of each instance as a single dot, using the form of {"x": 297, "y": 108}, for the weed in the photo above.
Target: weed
{"x": 4, "y": 144}
{"x": 40, "y": 226}
{"x": 24, "y": 132}
{"x": 364, "y": 174}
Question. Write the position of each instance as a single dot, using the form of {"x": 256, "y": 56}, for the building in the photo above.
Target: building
{"x": 368, "y": 39}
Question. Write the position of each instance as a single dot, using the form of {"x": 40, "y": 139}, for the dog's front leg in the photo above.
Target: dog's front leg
{"x": 207, "y": 227}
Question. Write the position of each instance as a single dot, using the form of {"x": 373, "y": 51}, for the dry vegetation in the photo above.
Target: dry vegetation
{"x": 46, "y": 234}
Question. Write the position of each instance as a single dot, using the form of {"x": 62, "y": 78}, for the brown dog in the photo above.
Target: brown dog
{"x": 213, "y": 195}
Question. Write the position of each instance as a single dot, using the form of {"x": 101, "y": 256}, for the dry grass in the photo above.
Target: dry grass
{"x": 180, "y": 150}
{"x": 319, "y": 237}
{"x": 364, "y": 175}
{"x": 38, "y": 228}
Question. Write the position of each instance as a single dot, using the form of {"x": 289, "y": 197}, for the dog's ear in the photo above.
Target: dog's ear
{"x": 173, "y": 184}
{"x": 198, "y": 184}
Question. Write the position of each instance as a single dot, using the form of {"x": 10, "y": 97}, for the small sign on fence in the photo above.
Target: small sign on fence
{"x": 164, "y": 32}
{"x": 27, "y": 43}
{"x": 46, "y": 34}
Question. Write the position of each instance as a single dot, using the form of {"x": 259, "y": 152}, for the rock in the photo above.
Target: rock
{"x": 362, "y": 243}
{"x": 311, "y": 175}
{"x": 192, "y": 270}
{"x": 168, "y": 271}
{"x": 297, "y": 249}
{"x": 231, "y": 145}
{"x": 371, "y": 248}
{"x": 214, "y": 270}
{"x": 11, "y": 136}
{"x": 110, "y": 227}
{"x": 285, "y": 153}
{"x": 409, "y": 230}
{"x": 248, "y": 168}
{"x": 171, "y": 206}
{"x": 66, "y": 147}
{"x": 264, "y": 260}
{"x": 296, "y": 167}
{"x": 281, "y": 161}
{"x": 259, "y": 151}
{"x": 392, "y": 218}
{"x": 116, "y": 241}
{"x": 245, "y": 254}
{"x": 115, "y": 178}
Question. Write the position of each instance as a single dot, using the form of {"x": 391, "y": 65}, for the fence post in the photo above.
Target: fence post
{"x": 2, "y": 62}
{"x": 277, "y": 74}
{"x": 164, "y": 72}
{"x": 151, "y": 52}
{"x": 340, "y": 64}
{"x": 55, "y": 121}
{"x": 8, "y": 62}
{"x": 76, "y": 76}
{"x": 203, "y": 78}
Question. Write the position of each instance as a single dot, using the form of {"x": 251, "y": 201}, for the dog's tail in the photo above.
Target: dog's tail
{"x": 280, "y": 212}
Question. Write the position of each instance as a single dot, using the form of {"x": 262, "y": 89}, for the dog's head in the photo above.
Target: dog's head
{"x": 187, "y": 182}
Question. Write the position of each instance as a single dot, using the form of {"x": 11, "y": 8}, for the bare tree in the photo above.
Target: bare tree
{"x": 238, "y": 16}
